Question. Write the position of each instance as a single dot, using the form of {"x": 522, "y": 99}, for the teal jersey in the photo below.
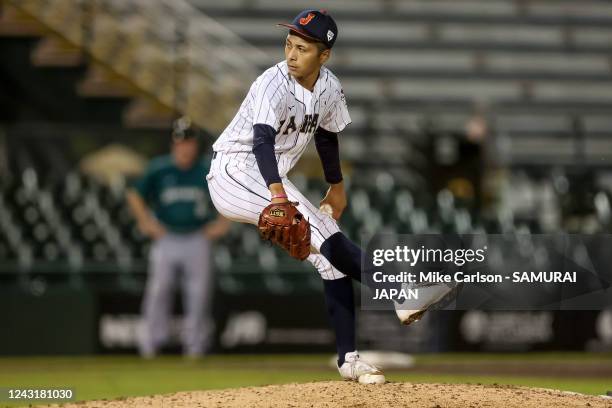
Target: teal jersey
{"x": 179, "y": 198}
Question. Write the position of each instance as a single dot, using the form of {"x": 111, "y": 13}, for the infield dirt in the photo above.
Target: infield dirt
{"x": 346, "y": 394}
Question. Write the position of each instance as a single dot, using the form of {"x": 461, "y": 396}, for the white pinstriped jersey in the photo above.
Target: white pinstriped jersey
{"x": 278, "y": 100}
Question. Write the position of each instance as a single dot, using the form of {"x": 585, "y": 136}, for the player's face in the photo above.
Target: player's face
{"x": 303, "y": 57}
{"x": 185, "y": 152}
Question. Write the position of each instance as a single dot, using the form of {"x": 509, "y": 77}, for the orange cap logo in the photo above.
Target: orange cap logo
{"x": 306, "y": 20}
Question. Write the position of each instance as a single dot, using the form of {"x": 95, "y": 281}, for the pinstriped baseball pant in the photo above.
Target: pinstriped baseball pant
{"x": 239, "y": 193}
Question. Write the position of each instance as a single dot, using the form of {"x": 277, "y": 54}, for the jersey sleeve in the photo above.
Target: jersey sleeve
{"x": 268, "y": 100}
{"x": 145, "y": 185}
{"x": 337, "y": 117}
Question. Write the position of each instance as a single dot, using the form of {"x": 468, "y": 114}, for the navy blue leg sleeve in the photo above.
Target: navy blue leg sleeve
{"x": 341, "y": 310}
{"x": 343, "y": 254}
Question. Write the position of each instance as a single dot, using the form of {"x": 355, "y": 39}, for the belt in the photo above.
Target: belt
{"x": 214, "y": 155}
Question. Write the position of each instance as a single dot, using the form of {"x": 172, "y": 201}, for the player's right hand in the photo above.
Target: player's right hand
{"x": 152, "y": 229}
{"x": 336, "y": 199}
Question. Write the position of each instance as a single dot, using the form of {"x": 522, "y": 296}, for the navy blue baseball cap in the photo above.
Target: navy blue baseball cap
{"x": 316, "y": 25}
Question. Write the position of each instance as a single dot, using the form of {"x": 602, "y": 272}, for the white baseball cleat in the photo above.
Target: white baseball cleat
{"x": 355, "y": 369}
{"x": 430, "y": 295}
{"x": 409, "y": 316}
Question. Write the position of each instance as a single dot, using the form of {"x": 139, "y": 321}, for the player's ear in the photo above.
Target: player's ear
{"x": 324, "y": 56}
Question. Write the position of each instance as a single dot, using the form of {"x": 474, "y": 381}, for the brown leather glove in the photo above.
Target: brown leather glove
{"x": 284, "y": 225}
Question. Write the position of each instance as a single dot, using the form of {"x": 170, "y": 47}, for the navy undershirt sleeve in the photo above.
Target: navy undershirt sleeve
{"x": 263, "y": 148}
{"x": 329, "y": 152}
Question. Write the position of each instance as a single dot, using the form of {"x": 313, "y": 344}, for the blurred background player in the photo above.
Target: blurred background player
{"x": 170, "y": 204}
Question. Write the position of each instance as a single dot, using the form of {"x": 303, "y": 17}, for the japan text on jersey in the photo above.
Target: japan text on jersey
{"x": 277, "y": 100}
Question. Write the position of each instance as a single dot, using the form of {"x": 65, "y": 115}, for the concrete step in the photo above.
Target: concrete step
{"x": 15, "y": 23}
{"x": 101, "y": 82}
{"x": 144, "y": 112}
{"x": 55, "y": 52}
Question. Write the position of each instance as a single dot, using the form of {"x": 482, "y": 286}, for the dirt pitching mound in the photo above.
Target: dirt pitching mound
{"x": 335, "y": 394}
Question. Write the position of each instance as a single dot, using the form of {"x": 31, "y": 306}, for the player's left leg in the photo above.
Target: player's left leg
{"x": 339, "y": 298}
{"x": 337, "y": 286}
{"x": 198, "y": 326}
{"x": 340, "y": 303}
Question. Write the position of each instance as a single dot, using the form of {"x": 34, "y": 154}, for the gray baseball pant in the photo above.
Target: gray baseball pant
{"x": 190, "y": 254}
